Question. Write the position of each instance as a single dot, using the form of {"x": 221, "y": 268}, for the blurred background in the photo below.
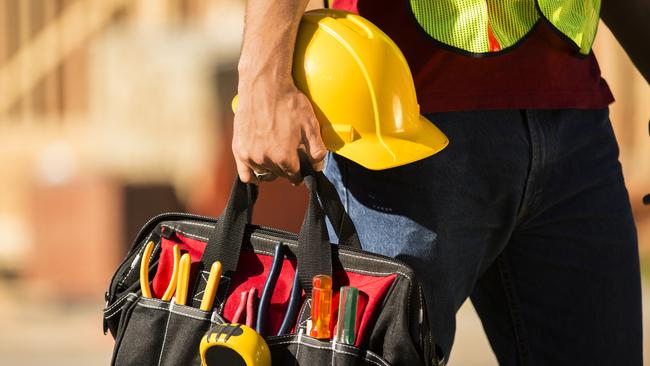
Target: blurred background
{"x": 112, "y": 111}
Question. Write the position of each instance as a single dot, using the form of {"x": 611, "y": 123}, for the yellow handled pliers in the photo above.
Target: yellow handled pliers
{"x": 144, "y": 272}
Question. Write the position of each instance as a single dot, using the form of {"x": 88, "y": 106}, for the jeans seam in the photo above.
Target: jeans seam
{"x": 531, "y": 192}
{"x": 344, "y": 179}
{"x": 513, "y": 307}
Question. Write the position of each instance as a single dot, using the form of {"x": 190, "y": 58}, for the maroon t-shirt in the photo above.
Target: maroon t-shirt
{"x": 542, "y": 72}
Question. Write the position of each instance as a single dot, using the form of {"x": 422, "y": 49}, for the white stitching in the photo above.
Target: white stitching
{"x": 121, "y": 283}
{"x": 298, "y": 347}
{"x": 375, "y": 273}
{"x": 378, "y": 361}
{"x": 178, "y": 312}
{"x": 217, "y": 319}
{"x": 263, "y": 252}
{"x": 152, "y": 307}
{"x": 376, "y": 260}
{"x": 117, "y": 311}
{"x": 203, "y": 238}
{"x": 189, "y": 315}
{"x": 408, "y": 303}
{"x": 197, "y": 224}
{"x": 115, "y": 304}
{"x": 162, "y": 349}
{"x": 128, "y": 297}
{"x": 223, "y": 281}
{"x": 302, "y": 313}
{"x": 377, "y": 358}
{"x": 199, "y": 296}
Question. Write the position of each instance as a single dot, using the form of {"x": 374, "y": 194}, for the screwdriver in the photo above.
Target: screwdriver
{"x": 347, "y": 319}
{"x": 321, "y": 295}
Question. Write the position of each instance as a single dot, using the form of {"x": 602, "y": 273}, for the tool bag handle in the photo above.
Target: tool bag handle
{"x": 314, "y": 250}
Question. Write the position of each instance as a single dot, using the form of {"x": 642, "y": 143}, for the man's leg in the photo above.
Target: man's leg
{"x": 569, "y": 276}
{"x": 447, "y": 216}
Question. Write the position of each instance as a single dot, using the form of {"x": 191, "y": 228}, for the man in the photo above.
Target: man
{"x": 525, "y": 211}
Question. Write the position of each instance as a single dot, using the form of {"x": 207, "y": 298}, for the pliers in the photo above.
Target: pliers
{"x": 144, "y": 272}
{"x": 247, "y": 305}
{"x": 271, "y": 280}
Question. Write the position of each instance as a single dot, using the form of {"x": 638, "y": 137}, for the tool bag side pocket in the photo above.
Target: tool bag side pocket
{"x": 300, "y": 349}
{"x": 142, "y": 327}
{"x": 183, "y": 334}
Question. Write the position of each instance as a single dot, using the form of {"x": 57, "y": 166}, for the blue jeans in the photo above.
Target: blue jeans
{"x": 526, "y": 213}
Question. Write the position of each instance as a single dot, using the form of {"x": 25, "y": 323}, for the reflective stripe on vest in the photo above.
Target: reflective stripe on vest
{"x": 483, "y": 26}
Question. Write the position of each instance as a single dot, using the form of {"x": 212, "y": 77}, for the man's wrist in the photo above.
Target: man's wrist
{"x": 255, "y": 75}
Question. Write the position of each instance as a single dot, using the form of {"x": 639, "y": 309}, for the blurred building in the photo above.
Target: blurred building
{"x": 113, "y": 110}
{"x": 108, "y": 115}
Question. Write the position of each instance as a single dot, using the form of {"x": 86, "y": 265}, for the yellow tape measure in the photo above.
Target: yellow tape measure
{"x": 234, "y": 345}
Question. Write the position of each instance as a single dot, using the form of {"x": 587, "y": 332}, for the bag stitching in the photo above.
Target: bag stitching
{"x": 298, "y": 347}
{"x": 199, "y": 296}
{"x": 118, "y": 310}
{"x": 376, "y": 260}
{"x": 177, "y": 312}
{"x": 378, "y": 362}
{"x": 115, "y": 304}
{"x": 302, "y": 313}
{"x": 340, "y": 253}
{"x": 108, "y": 316}
{"x": 162, "y": 349}
{"x": 422, "y": 305}
{"x": 222, "y": 304}
{"x": 195, "y": 236}
{"x": 189, "y": 315}
{"x": 377, "y": 358}
{"x": 197, "y": 224}
{"x": 121, "y": 283}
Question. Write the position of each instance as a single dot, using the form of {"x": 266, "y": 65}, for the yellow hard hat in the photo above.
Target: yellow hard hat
{"x": 362, "y": 91}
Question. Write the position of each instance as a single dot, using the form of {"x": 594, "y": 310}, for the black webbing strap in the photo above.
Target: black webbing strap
{"x": 224, "y": 242}
{"x": 314, "y": 252}
{"x": 335, "y": 211}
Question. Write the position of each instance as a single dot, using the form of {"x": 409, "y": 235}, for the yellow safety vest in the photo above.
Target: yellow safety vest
{"x": 484, "y": 26}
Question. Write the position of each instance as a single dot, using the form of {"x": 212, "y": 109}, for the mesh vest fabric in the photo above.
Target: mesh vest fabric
{"x": 577, "y": 20}
{"x": 483, "y": 26}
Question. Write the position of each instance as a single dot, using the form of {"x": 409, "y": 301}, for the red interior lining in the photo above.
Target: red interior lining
{"x": 252, "y": 272}
{"x": 164, "y": 273}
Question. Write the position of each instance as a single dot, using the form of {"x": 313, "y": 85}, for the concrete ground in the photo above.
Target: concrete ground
{"x": 35, "y": 334}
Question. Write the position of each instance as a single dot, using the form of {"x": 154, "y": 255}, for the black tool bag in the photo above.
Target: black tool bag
{"x": 392, "y": 325}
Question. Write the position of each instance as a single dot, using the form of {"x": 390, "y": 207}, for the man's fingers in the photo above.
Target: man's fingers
{"x": 245, "y": 173}
{"x": 313, "y": 141}
{"x": 290, "y": 166}
{"x": 319, "y": 166}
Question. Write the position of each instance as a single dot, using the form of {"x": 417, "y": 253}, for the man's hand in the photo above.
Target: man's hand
{"x": 271, "y": 124}
{"x": 273, "y": 119}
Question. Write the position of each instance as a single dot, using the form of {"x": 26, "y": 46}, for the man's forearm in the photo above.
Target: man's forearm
{"x": 629, "y": 20}
{"x": 269, "y": 36}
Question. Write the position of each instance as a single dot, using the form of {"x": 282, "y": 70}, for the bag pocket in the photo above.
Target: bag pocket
{"x": 140, "y": 334}
{"x": 183, "y": 335}
{"x": 300, "y": 349}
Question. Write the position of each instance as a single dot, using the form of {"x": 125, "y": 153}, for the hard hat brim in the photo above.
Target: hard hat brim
{"x": 390, "y": 152}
